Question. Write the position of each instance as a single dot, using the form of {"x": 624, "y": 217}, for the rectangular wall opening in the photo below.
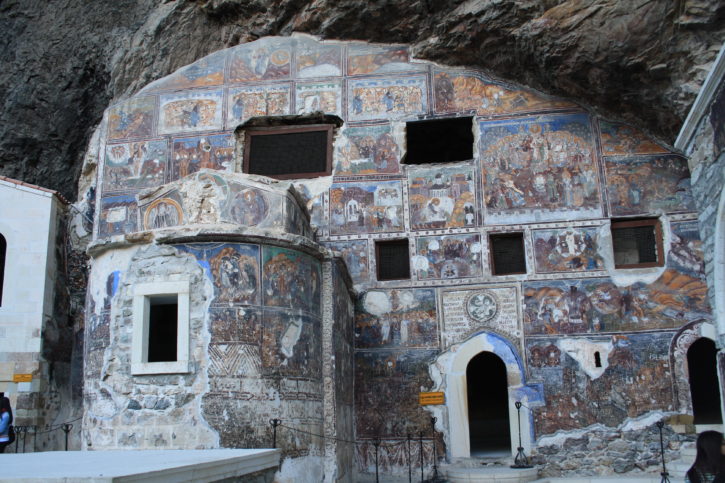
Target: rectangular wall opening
{"x": 163, "y": 327}
{"x": 439, "y": 140}
{"x": 392, "y": 259}
{"x": 637, "y": 243}
{"x": 508, "y": 255}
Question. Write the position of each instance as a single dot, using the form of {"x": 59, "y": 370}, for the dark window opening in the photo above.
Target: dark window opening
{"x": 289, "y": 152}
{"x": 439, "y": 140}
{"x": 597, "y": 359}
{"x": 488, "y": 409}
{"x": 637, "y": 243}
{"x": 508, "y": 255}
{"x": 163, "y": 327}
{"x": 392, "y": 260}
{"x": 3, "y": 250}
{"x": 704, "y": 385}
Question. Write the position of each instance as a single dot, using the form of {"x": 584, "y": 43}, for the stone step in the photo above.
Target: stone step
{"x": 490, "y": 474}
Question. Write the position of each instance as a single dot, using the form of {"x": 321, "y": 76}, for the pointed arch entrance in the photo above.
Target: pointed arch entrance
{"x": 488, "y": 412}
{"x": 450, "y": 373}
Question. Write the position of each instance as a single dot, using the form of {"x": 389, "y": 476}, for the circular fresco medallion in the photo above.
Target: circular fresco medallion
{"x": 481, "y": 306}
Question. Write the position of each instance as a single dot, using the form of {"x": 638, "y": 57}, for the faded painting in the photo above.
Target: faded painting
{"x": 262, "y": 60}
{"x": 396, "y": 318}
{"x": 246, "y": 205}
{"x": 386, "y": 97}
{"x": 163, "y": 212}
{"x": 623, "y": 140}
{"x": 355, "y": 255}
{"x": 648, "y": 184}
{"x": 367, "y": 150}
{"x": 291, "y": 279}
{"x": 471, "y": 91}
{"x": 119, "y": 215}
{"x": 315, "y": 59}
{"x": 235, "y": 272}
{"x": 319, "y": 96}
{"x": 190, "y": 111}
{"x": 379, "y": 59}
{"x": 442, "y": 197}
{"x": 252, "y": 101}
{"x": 202, "y": 152}
{"x": 539, "y": 168}
{"x": 448, "y": 256}
{"x": 567, "y": 250}
{"x": 133, "y": 118}
{"x": 366, "y": 207}
{"x": 134, "y": 166}
{"x": 291, "y": 345}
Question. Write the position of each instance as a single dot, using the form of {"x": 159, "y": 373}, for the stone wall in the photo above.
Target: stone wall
{"x": 543, "y": 167}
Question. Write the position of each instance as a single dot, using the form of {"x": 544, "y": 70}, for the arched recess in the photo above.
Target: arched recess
{"x": 681, "y": 343}
{"x": 449, "y": 373}
{"x": 3, "y": 253}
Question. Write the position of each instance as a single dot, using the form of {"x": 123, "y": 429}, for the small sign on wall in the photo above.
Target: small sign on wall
{"x": 431, "y": 398}
{"x": 22, "y": 377}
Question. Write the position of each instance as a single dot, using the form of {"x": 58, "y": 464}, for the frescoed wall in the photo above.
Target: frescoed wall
{"x": 544, "y": 167}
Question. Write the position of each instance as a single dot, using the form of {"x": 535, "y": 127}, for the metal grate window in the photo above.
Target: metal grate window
{"x": 439, "y": 140}
{"x": 637, "y": 243}
{"x": 508, "y": 255}
{"x": 296, "y": 152}
{"x": 392, "y": 260}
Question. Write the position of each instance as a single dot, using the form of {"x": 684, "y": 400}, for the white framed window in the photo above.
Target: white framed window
{"x": 160, "y": 328}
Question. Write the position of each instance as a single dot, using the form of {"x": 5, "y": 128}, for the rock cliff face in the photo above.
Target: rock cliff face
{"x": 64, "y": 61}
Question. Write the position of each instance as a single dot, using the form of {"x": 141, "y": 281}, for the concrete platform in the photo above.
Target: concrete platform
{"x": 136, "y": 466}
{"x": 495, "y": 474}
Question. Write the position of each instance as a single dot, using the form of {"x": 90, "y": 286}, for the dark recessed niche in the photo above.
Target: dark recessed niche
{"x": 289, "y": 151}
{"x": 637, "y": 243}
{"x": 392, "y": 259}
{"x": 439, "y": 140}
{"x": 163, "y": 328}
{"x": 508, "y": 255}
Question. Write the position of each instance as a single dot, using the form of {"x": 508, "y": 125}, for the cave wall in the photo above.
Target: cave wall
{"x": 64, "y": 62}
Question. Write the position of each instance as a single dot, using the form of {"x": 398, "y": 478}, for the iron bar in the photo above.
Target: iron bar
{"x": 410, "y": 463}
{"x": 376, "y": 443}
{"x": 665, "y": 474}
{"x": 420, "y": 439}
{"x": 66, "y": 429}
{"x": 25, "y": 436}
{"x": 435, "y": 452}
{"x": 274, "y": 422}
{"x": 521, "y": 460}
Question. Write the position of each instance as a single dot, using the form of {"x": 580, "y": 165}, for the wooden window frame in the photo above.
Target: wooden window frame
{"x": 251, "y": 133}
{"x": 505, "y": 234}
{"x": 655, "y": 222}
{"x": 377, "y": 257}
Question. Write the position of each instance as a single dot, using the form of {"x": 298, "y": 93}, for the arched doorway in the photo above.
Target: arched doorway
{"x": 704, "y": 385}
{"x": 488, "y": 405}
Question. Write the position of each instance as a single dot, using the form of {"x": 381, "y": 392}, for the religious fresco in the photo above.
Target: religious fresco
{"x": 387, "y": 97}
{"x": 291, "y": 345}
{"x": 296, "y": 221}
{"x": 235, "y": 324}
{"x": 471, "y": 91}
{"x": 648, "y": 184}
{"x": 205, "y": 72}
{"x": 291, "y": 279}
{"x": 448, "y": 256}
{"x": 251, "y": 101}
{"x": 567, "y": 250}
{"x": 387, "y": 384}
{"x": 367, "y": 150}
{"x": 366, "y": 207}
{"x": 133, "y": 166}
{"x": 540, "y": 168}
{"x": 396, "y": 318}
{"x": 315, "y": 59}
{"x": 623, "y": 140}
{"x": 235, "y": 272}
{"x": 163, "y": 212}
{"x": 637, "y": 380}
{"x": 202, "y": 152}
{"x": 598, "y": 305}
{"x": 355, "y": 255}
{"x": 190, "y": 111}
{"x": 685, "y": 253}
{"x": 119, "y": 215}
{"x": 247, "y": 206}
{"x": 343, "y": 314}
{"x": 133, "y": 118}
{"x": 265, "y": 60}
{"x": 442, "y": 197}
{"x": 379, "y": 59}
{"x": 319, "y": 96}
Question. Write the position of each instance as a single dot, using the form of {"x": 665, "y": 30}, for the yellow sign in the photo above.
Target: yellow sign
{"x": 431, "y": 398}
{"x": 22, "y": 377}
